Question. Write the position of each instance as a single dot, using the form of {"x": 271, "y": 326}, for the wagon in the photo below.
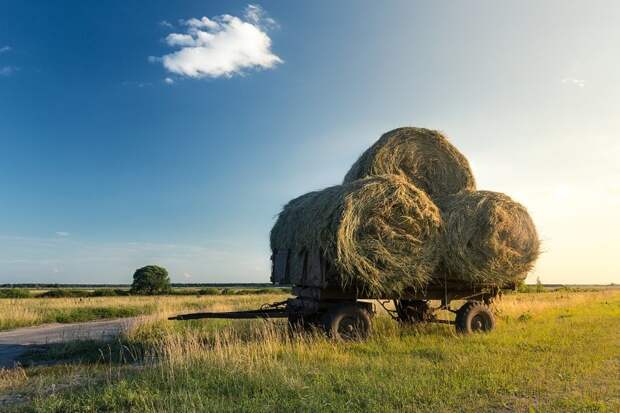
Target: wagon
{"x": 321, "y": 302}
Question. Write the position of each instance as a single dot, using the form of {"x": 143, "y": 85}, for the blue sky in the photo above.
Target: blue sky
{"x": 119, "y": 150}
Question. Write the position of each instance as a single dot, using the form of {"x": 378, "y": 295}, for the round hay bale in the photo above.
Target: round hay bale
{"x": 424, "y": 156}
{"x": 488, "y": 238}
{"x": 381, "y": 234}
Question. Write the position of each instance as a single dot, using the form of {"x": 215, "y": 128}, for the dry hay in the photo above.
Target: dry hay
{"x": 381, "y": 233}
{"x": 422, "y": 155}
{"x": 488, "y": 238}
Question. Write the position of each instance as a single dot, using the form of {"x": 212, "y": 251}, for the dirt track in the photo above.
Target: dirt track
{"x": 14, "y": 343}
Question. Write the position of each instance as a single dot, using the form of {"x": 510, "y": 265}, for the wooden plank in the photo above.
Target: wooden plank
{"x": 280, "y": 264}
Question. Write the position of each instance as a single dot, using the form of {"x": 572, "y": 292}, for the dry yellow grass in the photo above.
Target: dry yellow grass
{"x": 33, "y": 311}
{"x": 558, "y": 358}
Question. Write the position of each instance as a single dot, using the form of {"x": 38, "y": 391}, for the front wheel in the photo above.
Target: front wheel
{"x": 347, "y": 323}
{"x": 474, "y": 317}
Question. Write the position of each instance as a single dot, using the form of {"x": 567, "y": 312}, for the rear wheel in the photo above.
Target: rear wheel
{"x": 474, "y": 317}
{"x": 347, "y": 323}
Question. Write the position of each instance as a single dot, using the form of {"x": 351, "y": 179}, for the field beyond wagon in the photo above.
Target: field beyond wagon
{"x": 552, "y": 351}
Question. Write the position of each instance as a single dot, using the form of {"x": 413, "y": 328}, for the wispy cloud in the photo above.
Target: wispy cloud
{"x": 5, "y": 49}
{"x": 221, "y": 46}
{"x": 166, "y": 23}
{"x": 573, "y": 81}
{"x": 169, "y": 81}
{"x": 62, "y": 234}
{"x": 6, "y": 71}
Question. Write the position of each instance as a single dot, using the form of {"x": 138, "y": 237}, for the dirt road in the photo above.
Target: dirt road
{"x": 14, "y": 343}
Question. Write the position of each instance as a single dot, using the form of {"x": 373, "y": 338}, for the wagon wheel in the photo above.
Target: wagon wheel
{"x": 347, "y": 323}
{"x": 474, "y": 317}
{"x": 413, "y": 311}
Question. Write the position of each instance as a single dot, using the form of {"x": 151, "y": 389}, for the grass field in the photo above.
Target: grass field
{"x": 553, "y": 351}
{"x": 24, "y": 312}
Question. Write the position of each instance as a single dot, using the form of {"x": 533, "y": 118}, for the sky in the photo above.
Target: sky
{"x": 172, "y": 133}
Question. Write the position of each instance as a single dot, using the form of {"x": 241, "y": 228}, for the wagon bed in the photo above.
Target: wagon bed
{"x": 320, "y": 302}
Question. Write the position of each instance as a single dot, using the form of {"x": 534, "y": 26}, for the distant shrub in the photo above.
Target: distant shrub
{"x": 15, "y": 293}
{"x": 524, "y": 288}
{"x": 253, "y": 291}
{"x": 150, "y": 280}
{"x": 183, "y": 291}
{"x": 565, "y": 289}
{"x": 103, "y": 292}
{"x": 209, "y": 291}
{"x": 250, "y": 291}
{"x": 65, "y": 293}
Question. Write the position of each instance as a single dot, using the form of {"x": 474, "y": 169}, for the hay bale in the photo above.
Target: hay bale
{"x": 488, "y": 238}
{"x": 422, "y": 155}
{"x": 381, "y": 234}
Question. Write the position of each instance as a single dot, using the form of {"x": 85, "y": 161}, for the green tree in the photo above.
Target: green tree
{"x": 150, "y": 280}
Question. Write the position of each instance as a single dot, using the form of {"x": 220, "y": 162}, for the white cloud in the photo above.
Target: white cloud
{"x": 62, "y": 233}
{"x": 178, "y": 39}
{"x": 169, "y": 81}
{"x": 257, "y": 15}
{"x": 165, "y": 23}
{"x": 5, "y": 49}
{"x": 573, "y": 81}
{"x": 7, "y": 70}
{"x": 221, "y": 46}
{"x": 204, "y": 23}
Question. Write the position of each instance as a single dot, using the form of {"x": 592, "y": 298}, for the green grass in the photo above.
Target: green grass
{"x": 550, "y": 352}
{"x": 15, "y": 293}
{"x": 23, "y": 312}
{"x": 76, "y": 315}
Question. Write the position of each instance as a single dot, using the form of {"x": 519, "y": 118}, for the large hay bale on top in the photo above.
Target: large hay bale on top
{"x": 488, "y": 238}
{"x": 422, "y": 155}
{"x": 381, "y": 234}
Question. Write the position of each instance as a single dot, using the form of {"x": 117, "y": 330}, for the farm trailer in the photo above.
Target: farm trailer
{"x": 320, "y": 302}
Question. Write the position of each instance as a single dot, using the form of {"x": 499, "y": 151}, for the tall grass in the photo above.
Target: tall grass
{"x": 29, "y": 312}
{"x": 551, "y": 352}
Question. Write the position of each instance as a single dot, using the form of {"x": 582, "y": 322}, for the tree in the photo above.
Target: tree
{"x": 150, "y": 280}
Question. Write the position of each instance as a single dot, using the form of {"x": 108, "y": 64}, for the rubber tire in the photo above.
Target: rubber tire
{"x": 474, "y": 317}
{"x": 413, "y": 311}
{"x": 357, "y": 318}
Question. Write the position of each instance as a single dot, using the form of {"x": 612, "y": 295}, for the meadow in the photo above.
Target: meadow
{"x": 551, "y": 351}
{"x": 78, "y": 305}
